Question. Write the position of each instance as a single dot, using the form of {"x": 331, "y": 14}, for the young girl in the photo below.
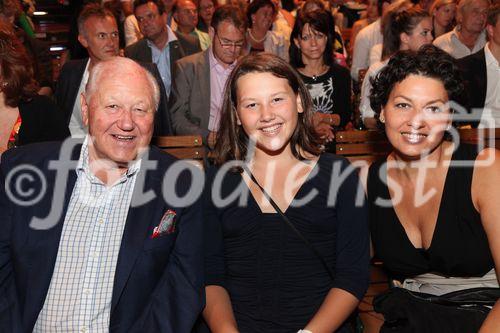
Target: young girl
{"x": 261, "y": 276}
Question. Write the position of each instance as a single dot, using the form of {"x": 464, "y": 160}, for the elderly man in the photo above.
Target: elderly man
{"x": 98, "y": 33}
{"x": 100, "y": 250}
{"x": 468, "y": 36}
{"x": 160, "y": 44}
{"x": 482, "y": 73}
{"x": 199, "y": 79}
{"x": 186, "y": 17}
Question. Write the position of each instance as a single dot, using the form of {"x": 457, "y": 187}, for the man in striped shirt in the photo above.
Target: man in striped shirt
{"x": 120, "y": 257}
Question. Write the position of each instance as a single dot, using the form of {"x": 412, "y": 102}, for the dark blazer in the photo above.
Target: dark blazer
{"x": 474, "y": 72}
{"x": 185, "y": 45}
{"x": 158, "y": 284}
{"x": 41, "y": 121}
{"x": 189, "y": 102}
{"x": 71, "y": 76}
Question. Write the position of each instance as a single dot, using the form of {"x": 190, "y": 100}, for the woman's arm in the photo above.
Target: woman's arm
{"x": 485, "y": 194}
{"x": 336, "y": 308}
{"x": 218, "y": 312}
{"x": 352, "y": 254}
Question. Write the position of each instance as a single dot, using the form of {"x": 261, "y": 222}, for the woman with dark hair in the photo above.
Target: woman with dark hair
{"x": 403, "y": 29}
{"x": 25, "y": 116}
{"x": 339, "y": 51}
{"x": 261, "y": 15}
{"x": 434, "y": 209}
{"x": 329, "y": 84}
{"x": 206, "y": 10}
{"x": 261, "y": 275}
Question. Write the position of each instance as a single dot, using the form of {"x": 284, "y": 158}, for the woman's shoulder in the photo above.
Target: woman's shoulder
{"x": 38, "y": 106}
{"x": 339, "y": 71}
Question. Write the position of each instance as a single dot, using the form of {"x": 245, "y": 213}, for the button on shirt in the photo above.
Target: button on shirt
{"x": 218, "y": 78}
{"x": 491, "y": 113}
{"x": 80, "y": 292}
{"x": 162, "y": 59}
{"x": 450, "y": 43}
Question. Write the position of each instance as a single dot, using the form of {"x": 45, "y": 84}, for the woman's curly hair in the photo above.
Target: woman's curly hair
{"x": 429, "y": 61}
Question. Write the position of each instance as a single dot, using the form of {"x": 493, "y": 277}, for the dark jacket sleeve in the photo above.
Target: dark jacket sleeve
{"x": 41, "y": 121}
{"x": 10, "y": 319}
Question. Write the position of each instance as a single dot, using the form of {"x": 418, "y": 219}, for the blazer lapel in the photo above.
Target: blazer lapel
{"x": 176, "y": 53}
{"x": 483, "y": 74}
{"x": 137, "y": 228}
{"x": 46, "y": 245}
{"x": 204, "y": 81}
{"x": 74, "y": 85}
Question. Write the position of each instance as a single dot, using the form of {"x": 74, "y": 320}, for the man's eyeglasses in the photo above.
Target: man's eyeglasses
{"x": 229, "y": 44}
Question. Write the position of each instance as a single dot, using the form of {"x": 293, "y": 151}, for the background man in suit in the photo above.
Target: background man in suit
{"x": 482, "y": 74}
{"x": 468, "y": 36}
{"x": 160, "y": 44}
{"x": 186, "y": 16}
{"x": 111, "y": 261}
{"x": 98, "y": 33}
{"x": 201, "y": 77}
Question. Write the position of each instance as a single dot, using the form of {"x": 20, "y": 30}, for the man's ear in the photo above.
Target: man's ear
{"x": 83, "y": 41}
{"x": 211, "y": 33}
{"x": 300, "y": 109}
{"x": 85, "y": 109}
{"x": 490, "y": 30}
{"x": 404, "y": 37}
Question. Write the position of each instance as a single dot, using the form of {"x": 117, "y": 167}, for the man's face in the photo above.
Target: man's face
{"x": 186, "y": 15}
{"x": 119, "y": 116}
{"x": 474, "y": 16}
{"x": 151, "y": 23}
{"x": 227, "y": 42}
{"x": 100, "y": 37}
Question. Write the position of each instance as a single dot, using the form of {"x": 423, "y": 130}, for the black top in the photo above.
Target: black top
{"x": 41, "y": 121}
{"x": 275, "y": 281}
{"x": 331, "y": 92}
{"x": 459, "y": 246}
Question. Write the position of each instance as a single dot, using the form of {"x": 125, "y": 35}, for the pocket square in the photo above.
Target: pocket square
{"x": 166, "y": 226}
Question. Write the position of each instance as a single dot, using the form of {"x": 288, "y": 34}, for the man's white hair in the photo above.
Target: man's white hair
{"x": 120, "y": 65}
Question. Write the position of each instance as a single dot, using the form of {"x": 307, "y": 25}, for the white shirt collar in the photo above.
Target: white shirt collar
{"x": 490, "y": 59}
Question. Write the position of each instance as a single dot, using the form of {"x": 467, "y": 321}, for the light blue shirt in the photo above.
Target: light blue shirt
{"x": 162, "y": 59}
{"x": 81, "y": 287}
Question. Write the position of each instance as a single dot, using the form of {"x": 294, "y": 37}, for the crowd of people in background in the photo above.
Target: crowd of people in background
{"x": 266, "y": 84}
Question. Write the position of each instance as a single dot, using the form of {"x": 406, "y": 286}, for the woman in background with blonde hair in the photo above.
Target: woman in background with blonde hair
{"x": 443, "y": 16}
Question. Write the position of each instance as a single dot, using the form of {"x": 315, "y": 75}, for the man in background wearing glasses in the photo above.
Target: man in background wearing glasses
{"x": 199, "y": 79}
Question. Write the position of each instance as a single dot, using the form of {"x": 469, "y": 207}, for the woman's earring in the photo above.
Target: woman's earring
{"x": 382, "y": 119}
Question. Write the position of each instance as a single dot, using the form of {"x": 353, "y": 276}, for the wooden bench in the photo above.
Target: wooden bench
{"x": 361, "y": 145}
{"x": 186, "y": 147}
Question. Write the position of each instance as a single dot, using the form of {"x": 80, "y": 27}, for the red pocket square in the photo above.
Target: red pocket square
{"x": 166, "y": 226}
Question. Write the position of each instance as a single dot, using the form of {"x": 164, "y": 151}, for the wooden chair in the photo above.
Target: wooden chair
{"x": 186, "y": 147}
{"x": 361, "y": 145}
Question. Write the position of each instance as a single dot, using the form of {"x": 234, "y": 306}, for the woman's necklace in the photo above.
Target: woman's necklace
{"x": 323, "y": 69}
{"x": 258, "y": 41}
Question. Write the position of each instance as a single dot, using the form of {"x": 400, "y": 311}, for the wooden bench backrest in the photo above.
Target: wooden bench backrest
{"x": 186, "y": 147}
{"x": 361, "y": 145}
